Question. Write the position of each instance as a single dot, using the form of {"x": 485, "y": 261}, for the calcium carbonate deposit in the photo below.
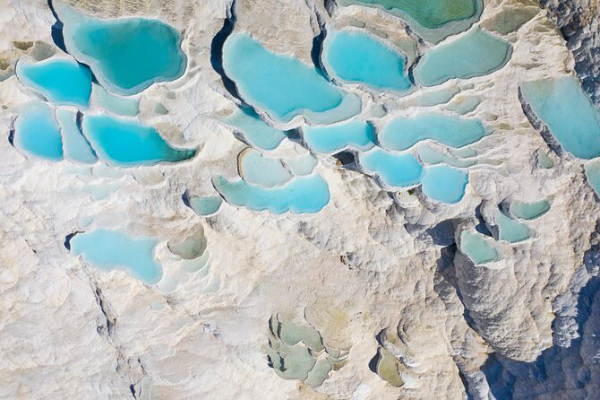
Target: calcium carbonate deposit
{"x": 300, "y": 199}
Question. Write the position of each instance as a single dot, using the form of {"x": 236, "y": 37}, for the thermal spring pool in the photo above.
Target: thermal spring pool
{"x": 445, "y": 184}
{"x": 510, "y": 230}
{"x": 60, "y": 80}
{"x": 394, "y": 170}
{"x": 37, "y": 132}
{"x": 128, "y": 143}
{"x": 255, "y": 168}
{"x": 110, "y": 249}
{"x": 358, "y": 57}
{"x": 477, "y": 248}
{"x": 205, "y": 206}
{"x": 282, "y": 85}
{"x": 76, "y": 147}
{"x": 128, "y": 106}
{"x": 255, "y": 131}
{"x": 358, "y": 135}
{"x": 568, "y": 112}
{"x": 529, "y": 211}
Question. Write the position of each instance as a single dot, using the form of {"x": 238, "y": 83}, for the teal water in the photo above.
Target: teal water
{"x": 358, "y": 57}
{"x": 76, "y": 148}
{"x": 431, "y": 156}
{"x": 37, "y": 132}
{"x": 395, "y": 170}
{"x": 445, "y": 184}
{"x": 284, "y": 86}
{"x": 256, "y": 131}
{"x": 568, "y": 112}
{"x": 303, "y": 165}
{"x": 510, "y": 230}
{"x": 441, "y": 96}
{"x": 464, "y": 105}
{"x": 107, "y": 250}
{"x": 301, "y": 195}
{"x": 128, "y": 106}
{"x": 205, "y": 206}
{"x": 592, "y": 174}
{"x": 358, "y": 135}
{"x": 60, "y": 80}
{"x": 478, "y": 249}
{"x": 477, "y": 53}
{"x": 263, "y": 171}
{"x": 127, "y": 55}
{"x": 403, "y": 133}
{"x": 128, "y": 143}
{"x": 529, "y": 211}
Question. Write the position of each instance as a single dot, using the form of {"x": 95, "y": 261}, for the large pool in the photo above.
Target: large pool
{"x": 357, "y": 135}
{"x": 37, "y": 132}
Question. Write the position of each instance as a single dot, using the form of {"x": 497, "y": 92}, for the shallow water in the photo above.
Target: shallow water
{"x": 403, "y": 133}
{"x": 256, "y": 131}
{"x": 476, "y": 53}
{"x": 464, "y": 105}
{"x": 357, "y": 57}
{"x": 128, "y": 106}
{"x": 529, "y": 211}
{"x": 357, "y": 135}
{"x": 205, "y": 206}
{"x": 282, "y": 85}
{"x": 395, "y": 170}
{"x": 442, "y": 96}
{"x": 445, "y": 184}
{"x": 478, "y": 249}
{"x": 568, "y": 112}
{"x": 263, "y": 171}
{"x": 303, "y": 165}
{"x": 76, "y": 148}
{"x": 592, "y": 174}
{"x": 432, "y": 156}
{"x": 62, "y": 81}
{"x": 129, "y": 143}
{"x": 127, "y": 55}
{"x": 301, "y": 195}
{"x": 37, "y": 132}
{"x": 510, "y": 230}
{"x": 107, "y": 250}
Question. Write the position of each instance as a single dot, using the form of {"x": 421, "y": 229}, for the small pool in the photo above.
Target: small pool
{"x": 476, "y": 53}
{"x": 529, "y": 211}
{"x": 464, "y": 105}
{"x": 300, "y": 195}
{"x": 403, "y": 133}
{"x": 254, "y": 168}
{"x": 127, "y": 55}
{"x": 510, "y": 230}
{"x": 282, "y": 85}
{"x": 129, "y": 143}
{"x": 303, "y": 165}
{"x": 60, "y": 80}
{"x": 432, "y": 156}
{"x": 37, "y": 132}
{"x": 357, "y": 135}
{"x": 445, "y": 184}
{"x": 256, "y": 131}
{"x": 394, "y": 170}
{"x": 205, "y": 206}
{"x": 128, "y": 106}
{"x": 478, "y": 249}
{"x": 107, "y": 250}
{"x": 357, "y": 57}
{"x": 76, "y": 147}
{"x": 442, "y": 96}
{"x": 568, "y": 112}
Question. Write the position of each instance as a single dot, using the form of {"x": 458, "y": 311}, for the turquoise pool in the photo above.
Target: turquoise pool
{"x": 76, "y": 147}
{"x": 256, "y": 131}
{"x": 127, "y": 55}
{"x": 568, "y": 112}
{"x": 282, "y": 85}
{"x": 394, "y": 170}
{"x": 358, "y": 135}
{"x": 110, "y": 249}
{"x": 478, "y": 249}
{"x": 403, "y": 133}
{"x": 205, "y": 206}
{"x": 301, "y": 195}
{"x": 37, "y": 132}
{"x": 357, "y": 57}
{"x": 260, "y": 170}
{"x": 529, "y": 211}
{"x": 445, "y": 184}
{"x": 129, "y": 143}
{"x": 60, "y": 80}
{"x": 476, "y": 53}
{"x": 510, "y": 230}
{"x": 128, "y": 106}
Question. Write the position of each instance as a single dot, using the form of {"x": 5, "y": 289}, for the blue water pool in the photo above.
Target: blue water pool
{"x": 60, "y": 80}
{"x": 445, "y": 184}
{"x": 282, "y": 85}
{"x": 510, "y": 230}
{"x": 256, "y": 131}
{"x": 109, "y": 249}
{"x": 394, "y": 170}
{"x": 478, "y": 249}
{"x": 358, "y": 135}
{"x": 301, "y": 195}
{"x": 205, "y": 206}
{"x": 357, "y": 57}
{"x": 76, "y": 147}
{"x": 431, "y": 156}
{"x": 129, "y": 106}
{"x": 37, "y": 132}
{"x": 260, "y": 170}
{"x": 476, "y": 53}
{"x": 568, "y": 112}
{"x": 403, "y": 133}
{"x": 129, "y": 143}
{"x": 303, "y": 165}
{"x": 127, "y": 55}
{"x": 529, "y": 211}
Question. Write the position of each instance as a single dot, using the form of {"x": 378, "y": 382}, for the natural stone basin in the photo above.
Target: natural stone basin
{"x": 476, "y": 53}
{"x": 76, "y": 147}
{"x": 568, "y": 112}
{"x": 205, "y": 206}
{"x": 478, "y": 249}
{"x": 357, "y": 57}
{"x": 445, "y": 184}
{"x": 529, "y": 211}
{"x": 394, "y": 170}
{"x": 255, "y": 131}
{"x": 255, "y": 168}
{"x": 510, "y": 230}
{"x": 129, "y": 106}
{"x": 358, "y": 135}
{"x": 37, "y": 132}
{"x": 110, "y": 249}
{"x": 60, "y": 80}
{"x": 127, "y": 55}
{"x": 282, "y": 85}
{"x": 129, "y": 143}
